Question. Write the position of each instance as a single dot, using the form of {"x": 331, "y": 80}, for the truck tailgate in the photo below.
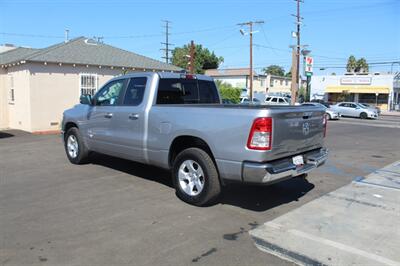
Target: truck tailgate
{"x": 296, "y": 130}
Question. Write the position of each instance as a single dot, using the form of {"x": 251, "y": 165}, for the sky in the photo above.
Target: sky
{"x": 332, "y": 29}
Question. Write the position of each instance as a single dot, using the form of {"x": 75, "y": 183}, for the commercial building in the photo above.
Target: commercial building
{"x": 240, "y": 78}
{"x": 37, "y": 85}
{"x": 377, "y": 89}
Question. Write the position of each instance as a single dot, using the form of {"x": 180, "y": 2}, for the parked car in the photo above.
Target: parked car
{"x": 353, "y": 109}
{"x": 331, "y": 113}
{"x": 326, "y": 104}
{"x": 277, "y": 100}
{"x": 177, "y": 122}
{"x": 376, "y": 108}
{"x": 245, "y": 100}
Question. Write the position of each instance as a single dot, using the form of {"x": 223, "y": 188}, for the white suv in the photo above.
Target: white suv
{"x": 277, "y": 100}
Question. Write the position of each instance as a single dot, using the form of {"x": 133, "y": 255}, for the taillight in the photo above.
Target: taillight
{"x": 260, "y": 137}
{"x": 325, "y": 123}
{"x": 188, "y": 76}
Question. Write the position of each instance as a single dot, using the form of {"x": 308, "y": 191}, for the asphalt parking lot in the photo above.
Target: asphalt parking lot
{"x": 116, "y": 212}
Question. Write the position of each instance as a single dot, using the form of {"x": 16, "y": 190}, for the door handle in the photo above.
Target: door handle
{"x": 133, "y": 116}
{"x": 108, "y": 115}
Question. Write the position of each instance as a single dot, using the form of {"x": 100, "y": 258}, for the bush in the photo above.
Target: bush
{"x": 227, "y": 91}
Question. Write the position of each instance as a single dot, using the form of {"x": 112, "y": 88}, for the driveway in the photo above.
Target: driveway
{"x": 116, "y": 212}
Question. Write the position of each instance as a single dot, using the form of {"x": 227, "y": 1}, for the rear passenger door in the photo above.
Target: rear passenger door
{"x": 128, "y": 121}
{"x": 343, "y": 109}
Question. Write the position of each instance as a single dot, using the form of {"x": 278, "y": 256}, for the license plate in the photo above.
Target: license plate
{"x": 298, "y": 160}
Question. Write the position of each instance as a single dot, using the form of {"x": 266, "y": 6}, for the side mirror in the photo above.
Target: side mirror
{"x": 86, "y": 99}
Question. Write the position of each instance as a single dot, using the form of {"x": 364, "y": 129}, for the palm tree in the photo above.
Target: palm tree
{"x": 362, "y": 66}
{"x": 351, "y": 64}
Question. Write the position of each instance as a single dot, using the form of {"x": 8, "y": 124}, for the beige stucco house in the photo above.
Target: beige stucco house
{"x": 262, "y": 83}
{"x": 37, "y": 85}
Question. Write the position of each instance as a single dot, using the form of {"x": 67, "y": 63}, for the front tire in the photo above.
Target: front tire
{"x": 363, "y": 115}
{"x": 75, "y": 148}
{"x": 196, "y": 177}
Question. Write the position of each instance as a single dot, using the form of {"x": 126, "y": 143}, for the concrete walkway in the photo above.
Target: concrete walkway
{"x": 358, "y": 224}
{"x": 391, "y": 113}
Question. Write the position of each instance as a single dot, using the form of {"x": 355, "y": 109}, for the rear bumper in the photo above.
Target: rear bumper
{"x": 272, "y": 172}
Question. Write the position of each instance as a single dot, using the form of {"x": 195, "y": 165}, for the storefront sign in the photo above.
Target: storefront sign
{"x": 356, "y": 81}
{"x": 309, "y": 62}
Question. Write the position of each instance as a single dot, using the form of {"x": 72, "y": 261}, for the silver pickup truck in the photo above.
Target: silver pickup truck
{"x": 177, "y": 122}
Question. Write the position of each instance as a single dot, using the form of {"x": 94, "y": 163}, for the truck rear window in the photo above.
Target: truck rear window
{"x": 186, "y": 91}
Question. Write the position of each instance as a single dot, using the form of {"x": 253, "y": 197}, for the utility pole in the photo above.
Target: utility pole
{"x": 297, "y": 72}
{"x": 294, "y": 86}
{"x": 250, "y": 24}
{"x": 166, "y": 43}
{"x": 192, "y": 57}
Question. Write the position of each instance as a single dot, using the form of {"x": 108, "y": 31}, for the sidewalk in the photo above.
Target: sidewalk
{"x": 357, "y": 224}
{"x": 390, "y": 113}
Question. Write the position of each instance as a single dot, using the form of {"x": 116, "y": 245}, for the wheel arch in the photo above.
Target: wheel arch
{"x": 183, "y": 142}
{"x": 69, "y": 125}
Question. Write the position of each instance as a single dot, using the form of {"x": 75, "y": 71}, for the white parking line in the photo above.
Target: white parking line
{"x": 343, "y": 247}
{"x": 353, "y": 225}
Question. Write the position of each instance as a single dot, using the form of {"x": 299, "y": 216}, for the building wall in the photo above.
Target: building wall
{"x": 278, "y": 84}
{"x": 241, "y": 82}
{"x": 16, "y": 113}
{"x": 56, "y": 88}
{"x": 3, "y": 99}
{"x": 319, "y": 85}
{"x": 237, "y": 82}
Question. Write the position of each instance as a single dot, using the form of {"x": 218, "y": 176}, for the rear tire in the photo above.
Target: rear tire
{"x": 75, "y": 148}
{"x": 363, "y": 115}
{"x": 195, "y": 177}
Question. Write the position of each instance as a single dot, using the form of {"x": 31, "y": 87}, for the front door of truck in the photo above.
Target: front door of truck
{"x": 106, "y": 101}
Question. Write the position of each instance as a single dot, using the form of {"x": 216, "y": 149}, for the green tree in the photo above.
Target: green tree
{"x": 227, "y": 91}
{"x": 289, "y": 74}
{"x": 274, "y": 70}
{"x": 362, "y": 66}
{"x": 351, "y": 64}
{"x": 204, "y": 59}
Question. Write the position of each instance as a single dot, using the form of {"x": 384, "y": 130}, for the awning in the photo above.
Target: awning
{"x": 357, "y": 89}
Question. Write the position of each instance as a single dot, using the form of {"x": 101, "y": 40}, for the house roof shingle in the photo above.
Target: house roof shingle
{"x": 83, "y": 51}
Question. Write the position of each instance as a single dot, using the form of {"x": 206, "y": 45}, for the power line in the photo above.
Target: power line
{"x": 31, "y": 35}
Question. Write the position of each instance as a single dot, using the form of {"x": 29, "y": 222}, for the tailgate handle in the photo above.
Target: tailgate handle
{"x": 306, "y": 116}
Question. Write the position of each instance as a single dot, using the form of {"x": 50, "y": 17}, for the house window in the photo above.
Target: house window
{"x": 11, "y": 92}
{"x": 262, "y": 81}
{"x": 88, "y": 84}
{"x": 281, "y": 82}
{"x": 271, "y": 83}
{"x": 286, "y": 83}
